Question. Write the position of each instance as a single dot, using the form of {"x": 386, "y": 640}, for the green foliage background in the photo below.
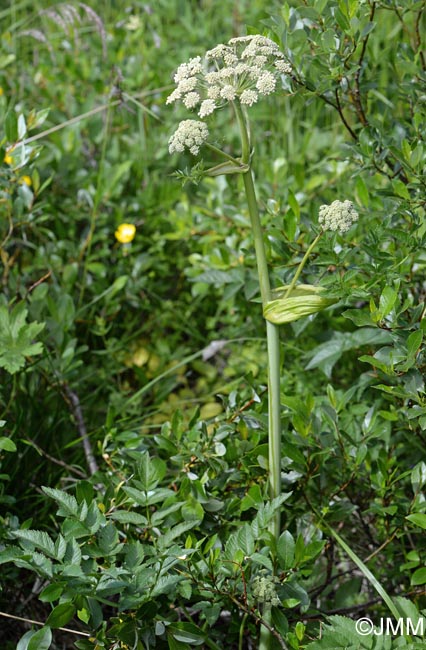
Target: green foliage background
{"x": 105, "y": 343}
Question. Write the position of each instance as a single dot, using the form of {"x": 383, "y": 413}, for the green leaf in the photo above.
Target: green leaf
{"x": 149, "y": 497}
{"x": 325, "y": 355}
{"x": 266, "y": 513}
{"x": 41, "y": 640}
{"x": 340, "y": 634}
{"x": 176, "y": 531}
{"x": 264, "y": 560}
{"x": 11, "y": 126}
{"x": 414, "y": 342}
{"x": 22, "y": 127}
{"x": 38, "y": 539}
{"x": 61, "y": 615}
{"x": 187, "y": 633}
{"x": 418, "y": 519}
{"x": 245, "y": 540}
{"x": 16, "y": 338}
{"x": 51, "y": 593}
{"x": 418, "y": 577}
{"x": 125, "y": 517}
{"x": 387, "y": 302}
{"x": 6, "y": 444}
{"x": 285, "y": 550}
{"x": 192, "y": 509}
{"x": 400, "y": 189}
{"x": 68, "y": 504}
{"x": 60, "y": 547}
{"x": 418, "y": 476}
{"x": 108, "y": 538}
{"x": 150, "y": 471}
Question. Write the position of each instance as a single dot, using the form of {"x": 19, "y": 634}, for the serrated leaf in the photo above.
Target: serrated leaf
{"x": 68, "y": 504}
{"x": 266, "y": 513}
{"x": 60, "y": 547}
{"x": 108, "y": 538}
{"x": 16, "y": 338}
{"x": 126, "y": 517}
{"x": 10, "y": 554}
{"x": 245, "y": 540}
{"x": 73, "y": 553}
{"x": 165, "y": 585}
{"x": 149, "y": 497}
{"x": 176, "y": 531}
{"x": 37, "y": 538}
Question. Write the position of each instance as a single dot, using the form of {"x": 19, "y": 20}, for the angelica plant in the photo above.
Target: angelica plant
{"x": 238, "y": 75}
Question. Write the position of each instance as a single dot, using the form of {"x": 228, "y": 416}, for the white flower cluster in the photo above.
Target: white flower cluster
{"x": 190, "y": 134}
{"x": 245, "y": 69}
{"x": 338, "y": 216}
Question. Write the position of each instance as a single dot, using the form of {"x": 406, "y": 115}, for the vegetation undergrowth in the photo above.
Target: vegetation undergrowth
{"x": 146, "y": 503}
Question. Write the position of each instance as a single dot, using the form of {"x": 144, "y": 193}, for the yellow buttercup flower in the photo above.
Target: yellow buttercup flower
{"x": 125, "y": 233}
{"x": 8, "y": 159}
{"x": 27, "y": 180}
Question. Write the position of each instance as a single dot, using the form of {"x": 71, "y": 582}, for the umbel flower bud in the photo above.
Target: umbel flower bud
{"x": 190, "y": 134}
{"x": 338, "y": 216}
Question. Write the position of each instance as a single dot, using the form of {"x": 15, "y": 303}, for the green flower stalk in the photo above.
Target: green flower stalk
{"x": 239, "y": 74}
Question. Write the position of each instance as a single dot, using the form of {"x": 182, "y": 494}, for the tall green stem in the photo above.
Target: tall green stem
{"x": 272, "y": 332}
{"x": 273, "y": 344}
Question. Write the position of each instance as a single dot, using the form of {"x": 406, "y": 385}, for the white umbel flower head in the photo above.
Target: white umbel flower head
{"x": 244, "y": 69}
{"x": 190, "y": 134}
{"x": 339, "y": 216}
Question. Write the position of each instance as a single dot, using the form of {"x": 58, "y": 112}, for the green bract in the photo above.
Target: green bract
{"x": 303, "y": 300}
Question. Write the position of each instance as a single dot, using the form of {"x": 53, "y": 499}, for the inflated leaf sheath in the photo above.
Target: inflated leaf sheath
{"x": 303, "y": 300}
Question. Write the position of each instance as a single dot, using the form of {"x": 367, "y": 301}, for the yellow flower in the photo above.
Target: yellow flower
{"x": 27, "y": 180}
{"x": 8, "y": 159}
{"x": 1, "y": 91}
{"x": 125, "y": 233}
